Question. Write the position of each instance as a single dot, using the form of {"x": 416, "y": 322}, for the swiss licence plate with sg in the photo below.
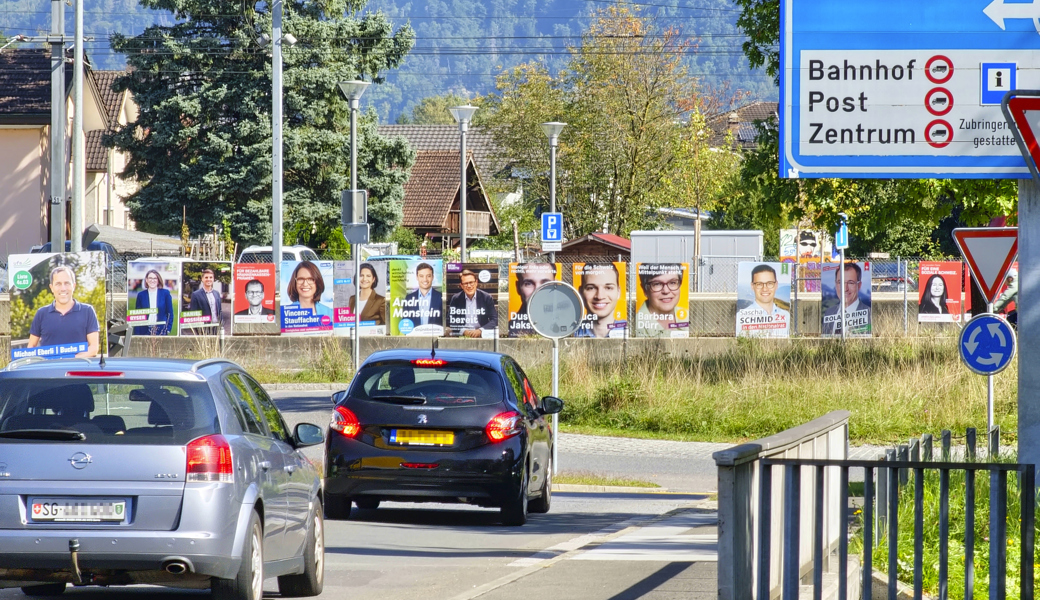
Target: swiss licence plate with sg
{"x": 421, "y": 437}
{"x": 77, "y": 510}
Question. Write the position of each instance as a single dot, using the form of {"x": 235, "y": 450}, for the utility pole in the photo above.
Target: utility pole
{"x": 79, "y": 172}
{"x": 57, "y": 42}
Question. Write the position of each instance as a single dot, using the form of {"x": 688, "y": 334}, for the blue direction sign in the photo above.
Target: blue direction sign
{"x": 552, "y": 227}
{"x": 987, "y": 344}
{"x": 903, "y": 89}
{"x": 841, "y": 238}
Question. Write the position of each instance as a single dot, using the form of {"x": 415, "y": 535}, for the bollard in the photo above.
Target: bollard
{"x": 903, "y": 454}
{"x": 945, "y": 445}
{"x": 994, "y": 443}
{"x": 915, "y": 450}
{"x": 970, "y": 435}
{"x": 926, "y": 447}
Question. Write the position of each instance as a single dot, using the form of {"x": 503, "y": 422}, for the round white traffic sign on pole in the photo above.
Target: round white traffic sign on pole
{"x": 555, "y": 310}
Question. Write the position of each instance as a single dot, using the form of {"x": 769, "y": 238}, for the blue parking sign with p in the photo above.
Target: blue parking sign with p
{"x": 552, "y": 227}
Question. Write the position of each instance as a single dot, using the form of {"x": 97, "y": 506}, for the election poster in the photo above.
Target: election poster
{"x": 153, "y": 296}
{"x": 764, "y": 299}
{"x": 939, "y": 292}
{"x": 857, "y": 300}
{"x": 370, "y": 304}
{"x": 524, "y": 279}
{"x": 254, "y": 297}
{"x": 306, "y": 292}
{"x": 205, "y": 297}
{"x": 416, "y": 297}
{"x": 1007, "y": 299}
{"x": 602, "y": 289}
{"x": 472, "y": 299}
{"x": 662, "y": 300}
{"x": 57, "y": 304}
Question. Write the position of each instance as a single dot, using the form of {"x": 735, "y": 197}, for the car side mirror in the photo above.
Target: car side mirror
{"x": 551, "y": 405}
{"x": 307, "y": 434}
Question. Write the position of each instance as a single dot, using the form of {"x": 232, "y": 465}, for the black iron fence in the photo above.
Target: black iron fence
{"x": 883, "y": 482}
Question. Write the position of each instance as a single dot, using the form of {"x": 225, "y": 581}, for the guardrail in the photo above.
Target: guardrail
{"x": 741, "y": 500}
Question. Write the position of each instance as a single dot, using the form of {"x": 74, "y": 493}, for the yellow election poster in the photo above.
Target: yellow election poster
{"x": 662, "y": 300}
{"x": 602, "y": 290}
{"x": 524, "y": 279}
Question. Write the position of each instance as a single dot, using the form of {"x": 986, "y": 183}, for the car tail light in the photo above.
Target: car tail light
{"x": 209, "y": 459}
{"x": 94, "y": 374}
{"x": 345, "y": 422}
{"x": 503, "y": 426}
{"x": 420, "y": 465}
{"x": 429, "y": 362}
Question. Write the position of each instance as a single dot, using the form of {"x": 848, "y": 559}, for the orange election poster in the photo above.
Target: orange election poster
{"x": 524, "y": 279}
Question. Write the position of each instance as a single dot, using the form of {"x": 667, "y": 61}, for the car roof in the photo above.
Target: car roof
{"x": 144, "y": 368}
{"x": 478, "y": 357}
{"x": 269, "y": 249}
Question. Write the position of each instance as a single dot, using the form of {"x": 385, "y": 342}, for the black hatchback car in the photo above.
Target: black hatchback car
{"x": 444, "y": 426}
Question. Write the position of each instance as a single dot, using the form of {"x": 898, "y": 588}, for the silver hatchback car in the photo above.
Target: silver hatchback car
{"x": 167, "y": 472}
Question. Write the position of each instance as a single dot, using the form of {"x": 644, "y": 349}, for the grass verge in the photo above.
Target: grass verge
{"x": 585, "y": 478}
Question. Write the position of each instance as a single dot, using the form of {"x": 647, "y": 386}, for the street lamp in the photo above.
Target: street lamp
{"x": 352, "y": 91}
{"x": 276, "y": 128}
{"x": 463, "y": 115}
{"x": 552, "y": 131}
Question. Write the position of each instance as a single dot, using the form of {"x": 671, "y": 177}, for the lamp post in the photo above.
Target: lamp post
{"x": 79, "y": 173}
{"x": 552, "y": 131}
{"x": 352, "y": 91}
{"x": 276, "y": 39}
{"x": 463, "y": 115}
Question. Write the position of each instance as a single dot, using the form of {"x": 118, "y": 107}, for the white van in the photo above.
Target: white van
{"x": 262, "y": 254}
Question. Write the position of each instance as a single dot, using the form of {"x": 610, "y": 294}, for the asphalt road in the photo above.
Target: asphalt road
{"x": 454, "y": 552}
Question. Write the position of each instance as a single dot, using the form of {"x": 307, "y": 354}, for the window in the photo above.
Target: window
{"x": 249, "y": 414}
{"x": 275, "y": 424}
{"x": 452, "y": 384}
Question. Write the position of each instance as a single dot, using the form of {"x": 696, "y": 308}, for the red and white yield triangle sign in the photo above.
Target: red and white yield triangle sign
{"x": 989, "y": 251}
{"x": 1024, "y": 110}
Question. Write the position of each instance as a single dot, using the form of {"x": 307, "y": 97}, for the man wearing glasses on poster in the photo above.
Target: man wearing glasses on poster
{"x": 857, "y": 309}
{"x": 763, "y": 318}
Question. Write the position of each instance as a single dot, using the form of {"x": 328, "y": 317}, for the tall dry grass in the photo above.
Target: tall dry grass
{"x": 895, "y": 389}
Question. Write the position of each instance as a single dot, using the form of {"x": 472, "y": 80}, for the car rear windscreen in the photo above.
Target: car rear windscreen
{"x": 128, "y": 412}
{"x": 402, "y": 382}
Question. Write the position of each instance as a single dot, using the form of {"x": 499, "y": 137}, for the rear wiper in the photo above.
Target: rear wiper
{"x": 400, "y": 399}
{"x": 44, "y": 434}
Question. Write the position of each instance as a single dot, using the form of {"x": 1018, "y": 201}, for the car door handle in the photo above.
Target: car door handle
{"x": 265, "y": 464}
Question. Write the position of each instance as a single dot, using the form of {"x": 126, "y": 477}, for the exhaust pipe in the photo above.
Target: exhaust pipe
{"x": 176, "y": 567}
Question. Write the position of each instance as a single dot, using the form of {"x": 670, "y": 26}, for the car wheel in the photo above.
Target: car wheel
{"x": 514, "y": 511}
{"x": 337, "y": 507}
{"x": 366, "y": 503}
{"x": 44, "y": 589}
{"x": 249, "y": 583}
{"x": 311, "y": 581}
{"x": 542, "y": 504}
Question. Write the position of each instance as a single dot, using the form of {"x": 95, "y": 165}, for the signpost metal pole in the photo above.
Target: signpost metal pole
{"x": 1028, "y": 322}
{"x": 556, "y": 393}
{"x": 841, "y": 293}
{"x": 989, "y": 396}
{"x": 57, "y": 141}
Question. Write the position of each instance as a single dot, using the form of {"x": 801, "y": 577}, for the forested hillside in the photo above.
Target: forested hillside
{"x": 461, "y": 45}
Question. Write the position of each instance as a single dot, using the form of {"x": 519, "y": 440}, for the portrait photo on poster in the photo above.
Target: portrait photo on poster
{"x": 370, "y": 303}
{"x": 254, "y": 293}
{"x": 472, "y": 290}
{"x": 307, "y": 297}
{"x": 417, "y": 297}
{"x": 939, "y": 292}
{"x": 153, "y": 296}
{"x": 857, "y": 300}
{"x": 662, "y": 300}
{"x": 524, "y": 279}
{"x": 603, "y": 292}
{"x": 55, "y": 303}
{"x": 205, "y": 297}
{"x": 763, "y": 299}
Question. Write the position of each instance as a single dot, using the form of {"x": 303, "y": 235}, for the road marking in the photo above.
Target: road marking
{"x": 662, "y": 541}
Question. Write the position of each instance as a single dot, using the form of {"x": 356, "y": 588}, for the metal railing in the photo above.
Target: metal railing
{"x": 893, "y": 473}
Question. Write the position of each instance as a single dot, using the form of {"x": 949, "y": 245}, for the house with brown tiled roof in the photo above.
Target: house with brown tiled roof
{"x": 431, "y": 195}
{"x": 25, "y": 107}
{"x": 741, "y": 123}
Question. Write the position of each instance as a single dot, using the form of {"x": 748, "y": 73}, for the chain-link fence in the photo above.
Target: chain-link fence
{"x": 713, "y": 293}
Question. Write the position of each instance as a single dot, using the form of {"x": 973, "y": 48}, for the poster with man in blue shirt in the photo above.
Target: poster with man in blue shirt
{"x": 55, "y": 300}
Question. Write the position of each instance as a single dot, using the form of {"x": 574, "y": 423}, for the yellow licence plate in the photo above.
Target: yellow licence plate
{"x": 420, "y": 437}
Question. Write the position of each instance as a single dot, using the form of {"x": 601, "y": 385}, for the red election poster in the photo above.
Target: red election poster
{"x": 254, "y": 293}
{"x": 939, "y": 292}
